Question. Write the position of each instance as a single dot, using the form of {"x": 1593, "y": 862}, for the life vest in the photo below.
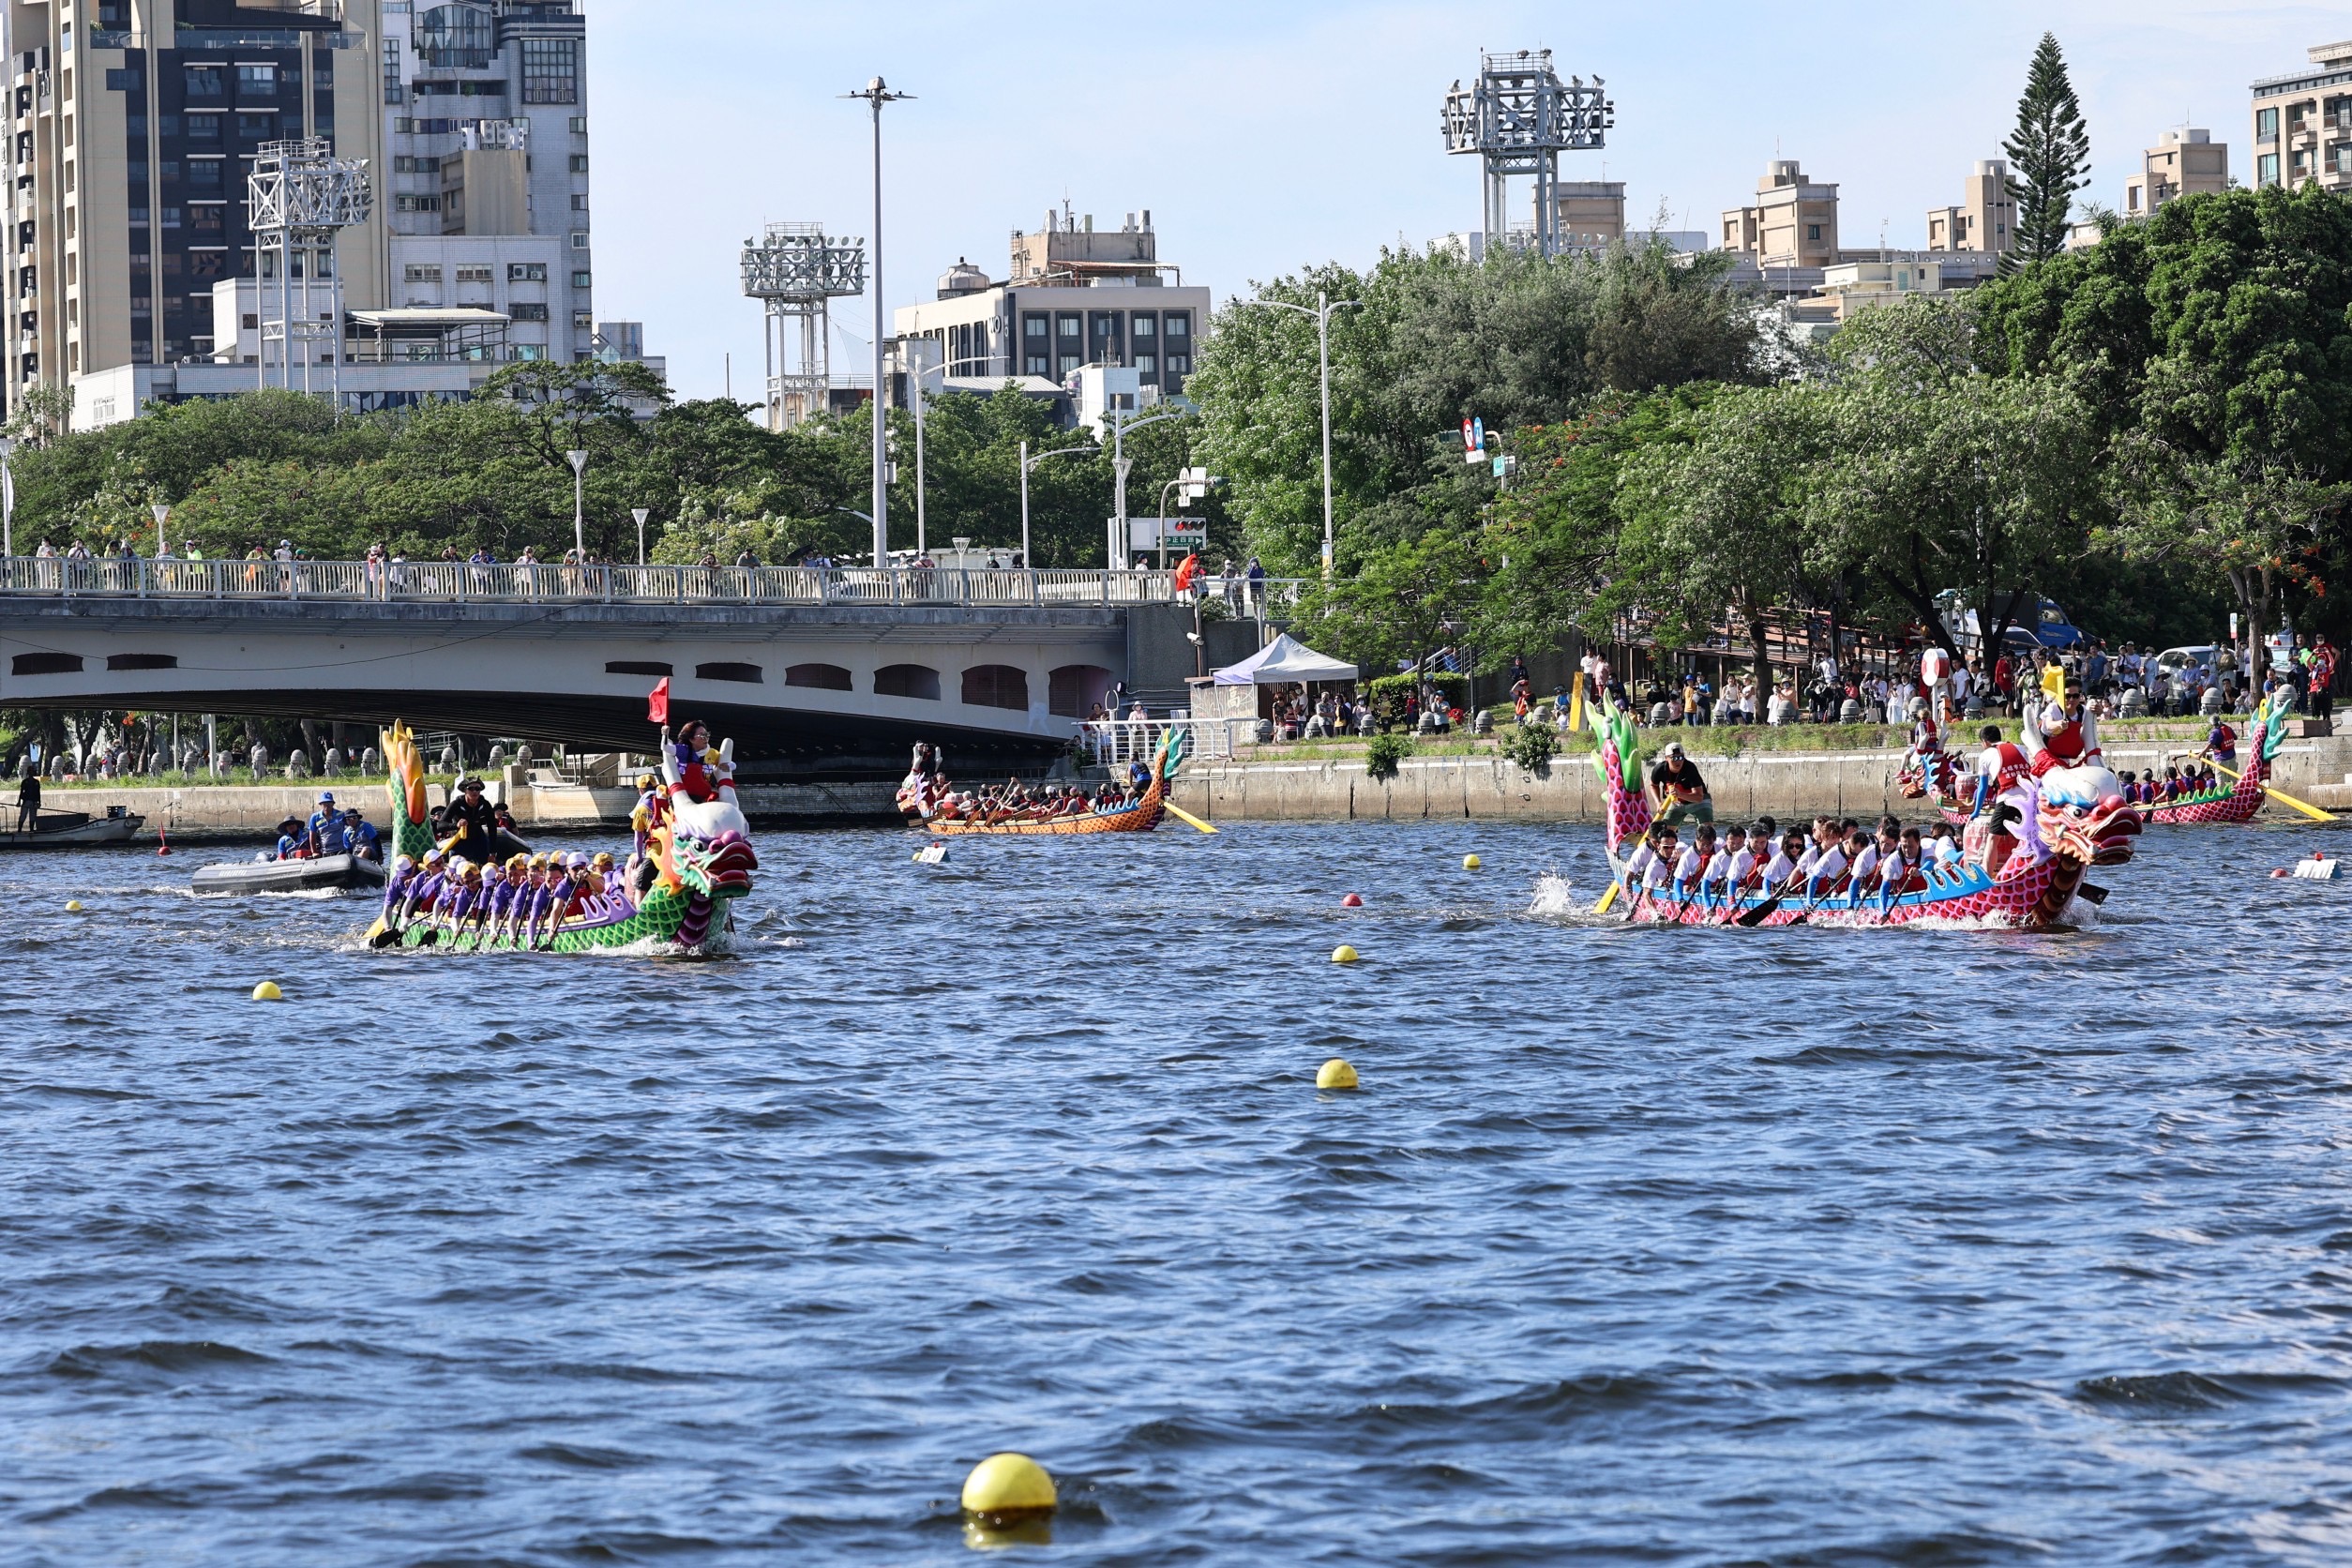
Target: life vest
{"x": 2011, "y": 764}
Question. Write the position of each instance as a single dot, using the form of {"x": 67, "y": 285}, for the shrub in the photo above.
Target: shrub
{"x": 1381, "y": 756}
{"x": 1532, "y": 746}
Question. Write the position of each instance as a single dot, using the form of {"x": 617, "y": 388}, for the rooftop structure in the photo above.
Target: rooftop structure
{"x": 1519, "y": 118}
{"x": 1986, "y": 217}
{"x": 2187, "y": 162}
{"x": 1793, "y": 222}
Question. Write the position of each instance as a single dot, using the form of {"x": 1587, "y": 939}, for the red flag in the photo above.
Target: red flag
{"x": 657, "y": 703}
{"x": 1185, "y": 573}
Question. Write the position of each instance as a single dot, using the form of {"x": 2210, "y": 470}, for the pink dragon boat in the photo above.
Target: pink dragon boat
{"x": 2072, "y": 818}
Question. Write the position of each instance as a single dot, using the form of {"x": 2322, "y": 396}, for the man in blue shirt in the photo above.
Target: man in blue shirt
{"x": 325, "y": 825}
{"x": 360, "y": 838}
{"x": 293, "y": 840}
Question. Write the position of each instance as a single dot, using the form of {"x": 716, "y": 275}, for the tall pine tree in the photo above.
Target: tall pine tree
{"x": 2048, "y": 155}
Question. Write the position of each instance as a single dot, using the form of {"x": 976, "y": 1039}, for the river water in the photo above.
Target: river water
{"x": 1795, "y": 1247}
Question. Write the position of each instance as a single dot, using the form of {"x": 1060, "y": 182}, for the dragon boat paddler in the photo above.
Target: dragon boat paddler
{"x": 1681, "y": 794}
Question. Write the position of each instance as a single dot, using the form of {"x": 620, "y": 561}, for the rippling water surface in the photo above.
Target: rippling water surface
{"x": 1658, "y": 1247}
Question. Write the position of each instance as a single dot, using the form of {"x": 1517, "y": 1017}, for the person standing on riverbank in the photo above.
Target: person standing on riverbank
{"x": 28, "y": 799}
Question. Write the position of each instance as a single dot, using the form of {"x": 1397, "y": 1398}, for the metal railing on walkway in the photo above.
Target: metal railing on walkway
{"x": 506, "y": 583}
{"x": 1115, "y": 741}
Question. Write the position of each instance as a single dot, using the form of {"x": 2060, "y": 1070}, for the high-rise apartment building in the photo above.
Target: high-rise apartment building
{"x": 1987, "y": 218}
{"x": 1793, "y": 222}
{"x": 2302, "y": 123}
{"x": 486, "y": 195}
{"x": 2187, "y": 162}
{"x": 132, "y": 126}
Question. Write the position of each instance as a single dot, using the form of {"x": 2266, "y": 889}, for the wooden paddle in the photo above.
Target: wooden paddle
{"x": 1762, "y": 911}
{"x": 1183, "y": 816}
{"x": 2308, "y": 809}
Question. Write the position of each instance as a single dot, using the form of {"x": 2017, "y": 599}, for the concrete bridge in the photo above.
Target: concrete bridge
{"x": 839, "y": 665}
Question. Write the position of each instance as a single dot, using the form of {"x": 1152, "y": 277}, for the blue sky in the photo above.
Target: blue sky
{"x": 1264, "y": 137}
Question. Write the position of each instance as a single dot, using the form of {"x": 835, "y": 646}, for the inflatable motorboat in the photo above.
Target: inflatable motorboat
{"x": 325, "y": 873}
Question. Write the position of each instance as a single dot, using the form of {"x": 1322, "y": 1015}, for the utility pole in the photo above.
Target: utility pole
{"x": 876, "y": 93}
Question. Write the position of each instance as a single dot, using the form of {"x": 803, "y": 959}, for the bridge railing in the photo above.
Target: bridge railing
{"x": 509, "y": 582}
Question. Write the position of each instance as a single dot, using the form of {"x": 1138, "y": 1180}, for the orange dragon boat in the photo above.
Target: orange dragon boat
{"x": 920, "y": 795}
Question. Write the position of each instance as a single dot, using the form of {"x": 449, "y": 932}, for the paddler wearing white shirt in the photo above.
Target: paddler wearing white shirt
{"x": 1691, "y": 869}
{"x": 1660, "y": 866}
{"x": 1782, "y": 869}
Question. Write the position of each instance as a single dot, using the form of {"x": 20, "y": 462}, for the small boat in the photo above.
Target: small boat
{"x": 61, "y": 830}
{"x": 1141, "y": 817}
{"x": 325, "y": 873}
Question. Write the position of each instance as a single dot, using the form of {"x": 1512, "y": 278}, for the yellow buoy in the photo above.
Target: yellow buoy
{"x": 73, "y": 906}
{"x": 1343, "y": 954}
{"x": 267, "y": 991}
{"x": 1335, "y": 1074}
{"x": 1472, "y": 863}
{"x": 1005, "y": 1487}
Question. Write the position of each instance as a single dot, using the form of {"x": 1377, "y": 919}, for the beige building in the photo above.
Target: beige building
{"x": 2302, "y": 123}
{"x": 1987, "y": 218}
{"x": 2187, "y": 162}
{"x": 1591, "y": 212}
{"x": 133, "y": 124}
{"x": 1793, "y": 222}
{"x": 1852, "y": 287}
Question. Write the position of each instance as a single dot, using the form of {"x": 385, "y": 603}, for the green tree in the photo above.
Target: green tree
{"x": 2049, "y": 154}
{"x": 1406, "y": 600}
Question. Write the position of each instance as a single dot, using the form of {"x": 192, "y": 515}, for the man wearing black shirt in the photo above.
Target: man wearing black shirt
{"x": 474, "y": 820}
{"x": 1678, "y": 791}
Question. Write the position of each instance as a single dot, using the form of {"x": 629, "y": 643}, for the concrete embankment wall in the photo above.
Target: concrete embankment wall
{"x": 254, "y": 811}
{"x": 1786, "y": 785}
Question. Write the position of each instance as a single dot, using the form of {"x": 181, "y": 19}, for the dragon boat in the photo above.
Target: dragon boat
{"x": 1936, "y": 778}
{"x": 675, "y": 899}
{"x": 921, "y": 801}
{"x": 2071, "y": 819}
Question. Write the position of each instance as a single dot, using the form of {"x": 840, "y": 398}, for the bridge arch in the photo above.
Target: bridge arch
{"x": 1072, "y": 690}
{"x": 996, "y": 685}
{"x": 919, "y": 681}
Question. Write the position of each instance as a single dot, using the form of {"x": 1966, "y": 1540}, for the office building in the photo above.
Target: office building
{"x": 1793, "y": 222}
{"x": 1986, "y": 218}
{"x": 2302, "y": 123}
{"x": 1073, "y": 296}
{"x": 2187, "y": 162}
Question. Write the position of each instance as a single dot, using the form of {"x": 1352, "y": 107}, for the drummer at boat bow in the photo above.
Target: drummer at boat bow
{"x": 474, "y": 824}
{"x": 1681, "y": 792}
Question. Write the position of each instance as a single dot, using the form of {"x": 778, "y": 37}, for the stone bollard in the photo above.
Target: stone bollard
{"x": 370, "y": 763}
{"x": 332, "y": 763}
{"x": 497, "y": 758}
{"x": 298, "y": 766}
{"x": 261, "y": 762}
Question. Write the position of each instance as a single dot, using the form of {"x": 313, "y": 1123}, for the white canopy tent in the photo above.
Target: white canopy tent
{"x": 1284, "y": 661}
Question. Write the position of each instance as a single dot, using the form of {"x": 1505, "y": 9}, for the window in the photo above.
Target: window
{"x": 1179, "y": 329}
{"x": 416, "y": 166}
{"x": 1179, "y": 364}
{"x": 454, "y": 38}
{"x": 207, "y": 81}
{"x": 527, "y": 313}
{"x": 478, "y": 275}
{"x": 1036, "y": 365}
{"x": 748, "y": 673}
{"x": 1069, "y": 366}
{"x": 580, "y": 124}
{"x": 1070, "y": 327}
{"x": 582, "y": 279}
{"x": 416, "y": 203}
{"x": 551, "y": 70}
{"x": 1147, "y": 365}
{"x": 820, "y": 677}
{"x": 258, "y": 127}
{"x": 1035, "y": 329}
{"x": 580, "y": 240}
{"x": 918, "y": 681}
{"x": 579, "y": 163}
{"x": 996, "y": 685}
{"x": 1145, "y": 326}
{"x": 419, "y": 272}
{"x": 580, "y": 201}
{"x": 2265, "y": 124}
{"x": 583, "y": 320}
{"x": 526, "y": 272}
{"x": 255, "y": 82}
{"x": 1813, "y": 231}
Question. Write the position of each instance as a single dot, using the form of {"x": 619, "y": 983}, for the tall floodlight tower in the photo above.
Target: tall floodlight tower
{"x": 300, "y": 196}
{"x": 798, "y": 271}
{"x": 1519, "y": 118}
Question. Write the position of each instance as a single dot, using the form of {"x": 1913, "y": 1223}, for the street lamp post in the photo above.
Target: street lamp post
{"x": 1029, "y": 562}
{"x": 876, "y": 93}
{"x": 8, "y": 499}
{"x": 161, "y": 511}
{"x": 579, "y": 460}
{"x": 914, "y": 390}
{"x": 1120, "y": 464}
{"x": 641, "y": 514}
{"x": 1324, "y": 306}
